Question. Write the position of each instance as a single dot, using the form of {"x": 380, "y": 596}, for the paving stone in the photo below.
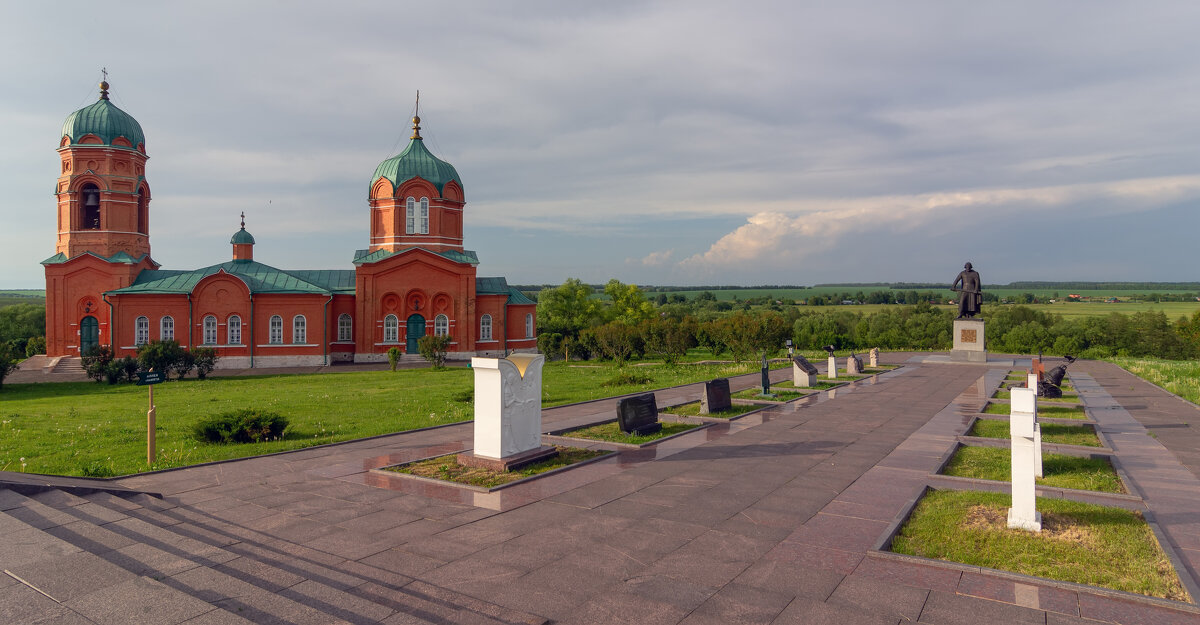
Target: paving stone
{"x": 30, "y": 545}
{"x": 738, "y": 604}
{"x": 880, "y": 597}
{"x": 803, "y": 611}
{"x": 139, "y": 601}
{"x": 22, "y": 604}
{"x": 949, "y": 609}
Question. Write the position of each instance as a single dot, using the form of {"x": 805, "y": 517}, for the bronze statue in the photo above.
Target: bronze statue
{"x": 970, "y": 294}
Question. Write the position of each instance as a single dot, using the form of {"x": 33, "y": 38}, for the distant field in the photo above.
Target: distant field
{"x": 804, "y": 293}
{"x": 24, "y": 292}
{"x": 1173, "y": 310}
{"x": 7, "y": 299}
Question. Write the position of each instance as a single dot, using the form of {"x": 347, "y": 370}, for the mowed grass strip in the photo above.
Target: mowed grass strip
{"x": 995, "y": 463}
{"x": 780, "y": 394}
{"x": 1175, "y": 376}
{"x": 448, "y": 469}
{"x": 611, "y": 432}
{"x": 692, "y": 409}
{"x": 1070, "y": 399}
{"x": 1051, "y": 432}
{"x": 1057, "y": 412}
{"x": 1079, "y": 542}
{"x": 820, "y": 386}
{"x": 85, "y": 428}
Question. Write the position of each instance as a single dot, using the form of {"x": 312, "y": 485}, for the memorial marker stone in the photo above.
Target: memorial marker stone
{"x": 1023, "y": 430}
{"x": 804, "y": 373}
{"x": 638, "y": 414}
{"x": 854, "y": 364}
{"x": 874, "y": 356}
{"x": 508, "y": 413}
{"x": 716, "y": 396}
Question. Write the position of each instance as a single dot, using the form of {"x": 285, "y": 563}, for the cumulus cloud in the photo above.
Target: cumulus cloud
{"x": 655, "y": 259}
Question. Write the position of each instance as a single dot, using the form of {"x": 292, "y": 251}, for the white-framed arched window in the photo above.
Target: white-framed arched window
{"x": 234, "y": 330}
{"x": 391, "y": 329}
{"x": 485, "y": 328}
{"x": 410, "y": 216}
{"x": 423, "y": 217}
{"x": 441, "y": 325}
{"x": 299, "y": 329}
{"x": 210, "y": 330}
{"x": 529, "y": 326}
{"x": 275, "y": 336}
{"x": 166, "y": 328}
{"x": 345, "y": 327}
{"x": 141, "y": 331}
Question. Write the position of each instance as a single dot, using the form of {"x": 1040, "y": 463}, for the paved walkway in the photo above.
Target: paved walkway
{"x": 773, "y": 518}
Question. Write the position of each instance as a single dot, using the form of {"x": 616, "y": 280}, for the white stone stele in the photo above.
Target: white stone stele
{"x": 852, "y": 366}
{"x": 508, "y": 405}
{"x": 832, "y": 368}
{"x": 1023, "y": 430}
{"x": 1031, "y": 381}
{"x": 801, "y": 379}
{"x": 874, "y": 356}
{"x": 968, "y": 341}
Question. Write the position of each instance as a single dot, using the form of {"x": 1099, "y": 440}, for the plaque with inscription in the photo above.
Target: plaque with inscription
{"x": 716, "y": 396}
{"x": 968, "y": 336}
{"x": 638, "y": 414}
{"x": 805, "y": 365}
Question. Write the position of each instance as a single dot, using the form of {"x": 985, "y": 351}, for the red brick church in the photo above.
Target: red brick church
{"x": 414, "y": 279}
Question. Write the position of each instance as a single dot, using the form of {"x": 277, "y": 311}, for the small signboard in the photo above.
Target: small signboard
{"x": 150, "y": 377}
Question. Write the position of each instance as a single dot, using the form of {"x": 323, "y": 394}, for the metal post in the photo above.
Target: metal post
{"x": 150, "y": 430}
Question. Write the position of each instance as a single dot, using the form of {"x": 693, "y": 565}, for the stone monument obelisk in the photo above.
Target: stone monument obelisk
{"x": 1023, "y": 429}
{"x": 508, "y": 413}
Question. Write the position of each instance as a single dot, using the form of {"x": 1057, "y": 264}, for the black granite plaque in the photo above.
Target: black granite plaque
{"x": 638, "y": 414}
{"x": 716, "y": 396}
{"x": 804, "y": 364}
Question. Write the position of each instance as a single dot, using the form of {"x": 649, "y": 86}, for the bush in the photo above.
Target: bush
{"x": 113, "y": 371}
{"x": 184, "y": 363}
{"x": 206, "y": 360}
{"x": 433, "y": 349}
{"x": 242, "y": 426}
{"x": 96, "y": 361}
{"x": 627, "y": 377}
{"x": 35, "y": 346}
{"x": 160, "y": 356}
{"x": 8, "y": 363}
{"x": 129, "y": 366}
{"x": 393, "y": 356}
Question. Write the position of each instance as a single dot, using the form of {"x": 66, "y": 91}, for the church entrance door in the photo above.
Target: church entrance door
{"x": 89, "y": 334}
{"x": 416, "y": 329}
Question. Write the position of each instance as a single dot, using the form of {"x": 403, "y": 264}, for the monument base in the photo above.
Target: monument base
{"x": 1033, "y": 525}
{"x": 525, "y": 458}
{"x": 968, "y": 341}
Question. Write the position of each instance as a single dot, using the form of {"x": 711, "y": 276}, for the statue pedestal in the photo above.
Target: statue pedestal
{"x": 508, "y": 413}
{"x": 968, "y": 341}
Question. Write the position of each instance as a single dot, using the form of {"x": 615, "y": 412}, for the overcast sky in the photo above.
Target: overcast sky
{"x": 691, "y": 142}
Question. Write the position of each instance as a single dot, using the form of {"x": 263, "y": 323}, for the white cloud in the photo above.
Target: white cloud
{"x": 656, "y": 259}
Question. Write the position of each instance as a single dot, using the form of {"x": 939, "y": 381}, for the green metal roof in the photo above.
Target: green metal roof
{"x": 416, "y": 161}
{"x": 119, "y": 257}
{"x": 258, "y": 277}
{"x": 517, "y": 297}
{"x": 491, "y": 286}
{"x": 103, "y": 119}
{"x": 241, "y": 237}
{"x": 466, "y": 257}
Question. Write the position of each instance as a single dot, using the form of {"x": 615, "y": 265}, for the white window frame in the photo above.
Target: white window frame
{"x": 529, "y": 325}
{"x": 391, "y": 329}
{"x": 233, "y": 330}
{"x": 210, "y": 330}
{"x": 485, "y": 328}
{"x": 441, "y": 325}
{"x": 410, "y": 216}
{"x": 423, "y": 217}
{"x": 141, "y": 331}
{"x": 166, "y": 328}
{"x": 299, "y": 330}
{"x": 345, "y": 327}
{"x": 276, "y": 330}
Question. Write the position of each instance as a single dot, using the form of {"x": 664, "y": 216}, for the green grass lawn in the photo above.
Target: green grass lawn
{"x": 85, "y": 428}
{"x": 1051, "y": 432}
{"x": 1057, "y": 412}
{"x": 780, "y": 394}
{"x": 692, "y": 409}
{"x": 1079, "y": 542}
{"x": 820, "y": 386}
{"x": 995, "y": 463}
{"x": 447, "y": 468}
{"x": 1069, "y": 399}
{"x": 1181, "y": 377}
{"x": 611, "y": 432}
{"x": 842, "y": 376}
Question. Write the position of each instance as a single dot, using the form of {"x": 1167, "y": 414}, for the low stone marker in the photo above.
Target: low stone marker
{"x": 1024, "y": 431}
{"x": 716, "y": 396}
{"x": 874, "y": 353}
{"x": 638, "y": 415}
{"x": 969, "y": 343}
{"x": 508, "y": 413}
{"x": 804, "y": 373}
{"x": 854, "y": 364}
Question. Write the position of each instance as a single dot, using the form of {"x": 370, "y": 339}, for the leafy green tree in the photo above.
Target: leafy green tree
{"x": 669, "y": 338}
{"x": 159, "y": 356}
{"x": 184, "y": 363}
{"x": 35, "y": 346}
{"x": 568, "y": 309}
{"x": 616, "y": 340}
{"x": 22, "y": 321}
{"x": 628, "y": 303}
{"x": 206, "y": 360}
{"x": 433, "y": 348}
{"x": 96, "y": 360}
{"x": 8, "y": 363}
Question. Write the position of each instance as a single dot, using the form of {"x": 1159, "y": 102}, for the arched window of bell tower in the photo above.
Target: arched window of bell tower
{"x": 143, "y": 217}
{"x": 89, "y": 200}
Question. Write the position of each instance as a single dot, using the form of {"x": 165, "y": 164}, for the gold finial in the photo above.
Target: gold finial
{"x": 104, "y": 84}
{"x": 416, "y": 118}
{"x": 243, "y": 220}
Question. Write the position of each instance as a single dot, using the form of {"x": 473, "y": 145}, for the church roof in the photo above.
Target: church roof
{"x": 258, "y": 277}
{"x": 241, "y": 237}
{"x": 416, "y": 161}
{"x": 466, "y": 257}
{"x": 103, "y": 119}
{"x": 499, "y": 286}
{"x": 119, "y": 257}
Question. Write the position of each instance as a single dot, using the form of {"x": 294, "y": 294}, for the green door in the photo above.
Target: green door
{"x": 89, "y": 334}
{"x": 416, "y": 329}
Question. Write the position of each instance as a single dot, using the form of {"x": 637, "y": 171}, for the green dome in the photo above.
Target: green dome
{"x": 416, "y": 161}
{"x": 104, "y": 120}
{"x": 241, "y": 237}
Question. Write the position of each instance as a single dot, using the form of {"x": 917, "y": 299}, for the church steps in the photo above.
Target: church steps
{"x": 195, "y": 557}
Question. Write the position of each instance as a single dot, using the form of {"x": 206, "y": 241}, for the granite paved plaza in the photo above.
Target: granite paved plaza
{"x": 776, "y": 517}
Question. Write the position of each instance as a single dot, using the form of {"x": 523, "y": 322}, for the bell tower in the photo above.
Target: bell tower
{"x": 103, "y": 197}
